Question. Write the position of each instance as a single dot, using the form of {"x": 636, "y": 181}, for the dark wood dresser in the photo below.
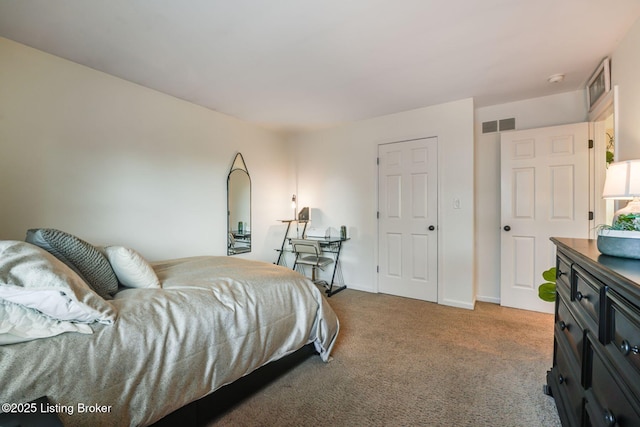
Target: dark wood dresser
{"x": 595, "y": 378}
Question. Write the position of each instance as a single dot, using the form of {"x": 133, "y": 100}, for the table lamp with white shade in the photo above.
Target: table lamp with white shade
{"x": 623, "y": 183}
{"x": 622, "y": 239}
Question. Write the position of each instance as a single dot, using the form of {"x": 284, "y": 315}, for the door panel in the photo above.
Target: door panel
{"x": 562, "y": 207}
{"x": 545, "y": 193}
{"x": 523, "y": 257}
{"x": 407, "y": 200}
{"x": 523, "y": 193}
{"x": 393, "y": 196}
{"x": 394, "y": 254}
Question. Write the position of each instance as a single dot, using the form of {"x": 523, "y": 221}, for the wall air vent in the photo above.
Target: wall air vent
{"x": 489, "y": 127}
{"x": 507, "y": 124}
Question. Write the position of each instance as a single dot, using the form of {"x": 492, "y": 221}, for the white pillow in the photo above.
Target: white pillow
{"x": 20, "y": 324}
{"x": 33, "y": 278}
{"x": 131, "y": 268}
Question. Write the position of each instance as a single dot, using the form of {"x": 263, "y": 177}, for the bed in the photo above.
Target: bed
{"x": 134, "y": 355}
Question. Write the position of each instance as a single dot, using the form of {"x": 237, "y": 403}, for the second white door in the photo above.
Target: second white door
{"x": 545, "y": 193}
{"x": 408, "y": 218}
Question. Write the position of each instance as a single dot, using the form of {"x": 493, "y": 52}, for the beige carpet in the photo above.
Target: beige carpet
{"x": 402, "y": 362}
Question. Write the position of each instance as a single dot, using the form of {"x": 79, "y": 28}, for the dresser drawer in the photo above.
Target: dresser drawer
{"x": 563, "y": 272}
{"x": 622, "y": 337}
{"x": 611, "y": 404}
{"x": 567, "y": 382}
{"x": 594, "y": 415}
{"x": 567, "y": 328}
{"x": 587, "y": 293}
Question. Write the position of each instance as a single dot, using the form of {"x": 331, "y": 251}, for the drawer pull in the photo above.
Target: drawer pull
{"x": 626, "y": 348}
{"x": 609, "y": 418}
{"x": 560, "y": 273}
{"x": 563, "y": 325}
{"x": 561, "y": 379}
{"x": 580, "y": 297}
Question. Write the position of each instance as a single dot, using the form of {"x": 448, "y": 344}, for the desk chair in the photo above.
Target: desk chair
{"x": 309, "y": 252}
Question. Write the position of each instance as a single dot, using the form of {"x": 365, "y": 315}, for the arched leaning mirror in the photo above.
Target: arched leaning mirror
{"x": 238, "y": 208}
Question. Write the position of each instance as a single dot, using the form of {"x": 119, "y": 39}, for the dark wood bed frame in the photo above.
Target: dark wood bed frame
{"x": 207, "y": 409}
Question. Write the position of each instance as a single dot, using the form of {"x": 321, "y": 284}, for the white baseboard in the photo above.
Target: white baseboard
{"x": 458, "y": 304}
{"x": 360, "y": 288}
{"x": 451, "y": 303}
{"x": 493, "y": 300}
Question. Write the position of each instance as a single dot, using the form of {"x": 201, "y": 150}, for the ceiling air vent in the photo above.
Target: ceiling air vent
{"x": 507, "y": 124}
{"x": 489, "y": 127}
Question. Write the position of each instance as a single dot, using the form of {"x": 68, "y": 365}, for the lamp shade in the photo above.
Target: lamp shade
{"x": 623, "y": 180}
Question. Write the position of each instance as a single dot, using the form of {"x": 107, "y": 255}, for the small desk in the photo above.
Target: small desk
{"x": 332, "y": 245}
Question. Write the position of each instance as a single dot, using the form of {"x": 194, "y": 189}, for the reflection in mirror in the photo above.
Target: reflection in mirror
{"x": 238, "y": 208}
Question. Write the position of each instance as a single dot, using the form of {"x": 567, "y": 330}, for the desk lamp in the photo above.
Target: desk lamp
{"x": 293, "y": 205}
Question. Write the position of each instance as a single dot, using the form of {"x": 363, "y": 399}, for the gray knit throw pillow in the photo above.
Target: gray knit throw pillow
{"x": 80, "y": 256}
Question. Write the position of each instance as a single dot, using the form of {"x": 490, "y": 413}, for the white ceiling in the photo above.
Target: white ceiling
{"x": 301, "y": 64}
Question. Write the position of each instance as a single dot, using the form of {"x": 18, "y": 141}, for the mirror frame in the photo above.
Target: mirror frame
{"x": 238, "y": 165}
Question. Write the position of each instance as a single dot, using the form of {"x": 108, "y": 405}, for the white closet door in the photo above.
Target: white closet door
{"x": 408, "y": 222}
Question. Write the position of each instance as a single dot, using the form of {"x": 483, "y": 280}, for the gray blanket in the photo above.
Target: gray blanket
{"x": 215, "y": 320}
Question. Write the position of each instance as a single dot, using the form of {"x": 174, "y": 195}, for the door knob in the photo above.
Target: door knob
{"x": 431, "y": 228}
{"x": 507, "y": 228}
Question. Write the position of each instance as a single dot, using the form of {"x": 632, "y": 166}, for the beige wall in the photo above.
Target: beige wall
{"x": 337, "y": 175}
{"x": 625, "y": 73}
{"x": 116, "y": 163}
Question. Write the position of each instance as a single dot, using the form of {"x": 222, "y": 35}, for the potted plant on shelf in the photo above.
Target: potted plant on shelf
{"x": 622, "y": 238}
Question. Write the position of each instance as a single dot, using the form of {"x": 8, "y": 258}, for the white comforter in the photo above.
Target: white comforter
{"x": 215, "y": 320}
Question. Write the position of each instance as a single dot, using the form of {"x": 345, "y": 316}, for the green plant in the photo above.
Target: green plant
{"x": 547, "y": 290}
{"x": 609, "y": 157}
{"x": 628, "y": 222}
{"x": 610, "y": 148}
